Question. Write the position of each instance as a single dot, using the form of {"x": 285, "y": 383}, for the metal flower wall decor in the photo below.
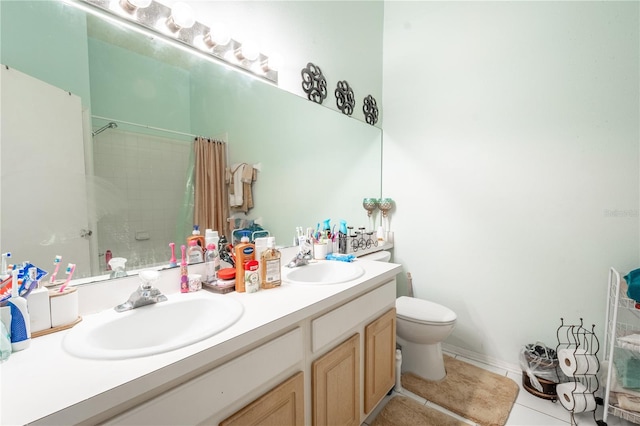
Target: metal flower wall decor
{"x": 345, "y": 100}
{"x": 370, "y": 109}
{"x": 313, "y": 83}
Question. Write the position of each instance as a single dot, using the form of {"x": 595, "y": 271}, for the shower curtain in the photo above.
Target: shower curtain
{"x": 211, "y": 204}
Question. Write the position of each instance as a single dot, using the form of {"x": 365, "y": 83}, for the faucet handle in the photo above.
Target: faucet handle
{"x": 148, "y": 278}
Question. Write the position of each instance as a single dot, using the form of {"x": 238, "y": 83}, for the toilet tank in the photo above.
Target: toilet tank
{"x": 380, "y": 256}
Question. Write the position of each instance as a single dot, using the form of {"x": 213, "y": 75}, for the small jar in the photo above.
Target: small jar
{"x": 195, "y": 282}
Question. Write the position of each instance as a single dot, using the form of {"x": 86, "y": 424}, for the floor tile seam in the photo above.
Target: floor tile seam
{"x": 546, "y": 413}
{"x": 535, "y": 403}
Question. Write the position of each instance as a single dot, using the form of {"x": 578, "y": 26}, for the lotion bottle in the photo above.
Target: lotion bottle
{"x": 244, "y": 252}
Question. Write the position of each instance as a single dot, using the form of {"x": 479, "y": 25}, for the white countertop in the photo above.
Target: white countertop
{"x": 44, "y": 380}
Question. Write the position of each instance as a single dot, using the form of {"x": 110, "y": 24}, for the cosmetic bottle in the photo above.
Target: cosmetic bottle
{"x": 270, "y": 276}
{"x": 211, "y": 264}
{"x": 261, "y": 244}
{"x": 342, "y": 237}
{"x": 195, "y": 236}
{"x": 194, "y": 253}
{"x": 244, "y": 252}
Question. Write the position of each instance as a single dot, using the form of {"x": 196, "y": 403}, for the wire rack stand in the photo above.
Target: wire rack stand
{"x": 582, "y": 346}
{"x": 623, "y": 319}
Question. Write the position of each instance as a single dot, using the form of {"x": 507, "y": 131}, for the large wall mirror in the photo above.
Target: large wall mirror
{"x": 314, "y": 162}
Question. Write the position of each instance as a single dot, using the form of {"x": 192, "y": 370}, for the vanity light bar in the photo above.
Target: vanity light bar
{"x": 158, "y": 18}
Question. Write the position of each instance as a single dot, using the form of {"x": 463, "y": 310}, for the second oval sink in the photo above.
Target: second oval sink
{"x": 182, "y": 320}
{"x": 323, "y": 272}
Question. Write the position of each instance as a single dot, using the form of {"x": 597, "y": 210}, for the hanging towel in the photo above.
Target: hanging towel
{"x": 247, "y": 175}
{"x": 633, "y": 283}
{"x": 234, "y": 180}
{"x": 239, "y": 178}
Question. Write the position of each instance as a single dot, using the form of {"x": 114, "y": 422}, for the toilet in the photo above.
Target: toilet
{"x": 421, "y": 326}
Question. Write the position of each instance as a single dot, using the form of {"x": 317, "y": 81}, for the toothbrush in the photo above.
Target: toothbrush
{"x": 56, "y": 263}
{"x": 172, "y": 261}
{"x": 5, "y": 256}
{"x": 184, "y": 274}
{"x": 71, "y": 267}
{"x": 16, "y": 282}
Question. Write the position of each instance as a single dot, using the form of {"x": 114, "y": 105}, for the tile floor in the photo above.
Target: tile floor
{"x": 528, "y": 410}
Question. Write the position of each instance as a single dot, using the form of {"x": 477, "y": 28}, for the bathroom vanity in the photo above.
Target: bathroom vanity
{"x": 299, "y": 354}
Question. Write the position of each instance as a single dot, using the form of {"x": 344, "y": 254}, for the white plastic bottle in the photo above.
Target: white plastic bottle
{"x": 211, "y": 237}
{"x": 20, "y": 321}
{"x": 211, "y": 264}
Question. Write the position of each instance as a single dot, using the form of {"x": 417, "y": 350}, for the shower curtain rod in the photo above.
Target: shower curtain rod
{"x": 224, "y": 139}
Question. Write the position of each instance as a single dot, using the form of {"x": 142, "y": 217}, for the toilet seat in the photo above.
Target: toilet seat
{"x": 423, "y": 311}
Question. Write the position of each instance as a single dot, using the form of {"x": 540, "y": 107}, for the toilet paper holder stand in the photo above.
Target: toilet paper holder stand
{"x": 577, "y": 352}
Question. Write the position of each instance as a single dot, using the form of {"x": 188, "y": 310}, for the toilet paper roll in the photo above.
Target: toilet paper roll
{"x": 577, "y": 362}
{"x": 576, "y": 397}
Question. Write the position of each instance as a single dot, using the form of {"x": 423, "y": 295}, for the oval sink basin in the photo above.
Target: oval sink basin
{"x": 323, "y": 272}
{"x": 182, "y": 320}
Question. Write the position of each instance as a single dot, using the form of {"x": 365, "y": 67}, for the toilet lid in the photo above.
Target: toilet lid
{"x": 420, "y": 310}
{"x": 380, "y": 256}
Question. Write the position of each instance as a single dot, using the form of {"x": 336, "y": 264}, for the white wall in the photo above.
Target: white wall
{"x": 511, "y": 148}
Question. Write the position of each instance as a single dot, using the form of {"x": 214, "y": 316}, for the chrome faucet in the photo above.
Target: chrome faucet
{"x": 146, "y": 294}
{"x": 301, "y": 259}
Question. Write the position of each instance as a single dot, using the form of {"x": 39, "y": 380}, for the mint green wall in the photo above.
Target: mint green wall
{"x": 136, "y": 88}
{"x": 54, "y": 35}
{"x": 212, "y": 88}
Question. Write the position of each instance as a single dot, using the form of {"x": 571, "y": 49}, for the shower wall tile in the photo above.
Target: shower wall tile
{"x": 151, "y": 174}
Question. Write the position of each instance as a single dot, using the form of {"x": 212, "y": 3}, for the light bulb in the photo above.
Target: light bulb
{"x": 218, "y": 35}
{"x": 272, "y": 63}
{"x": 248, "y": 50}
{"x": 182, "y": 16}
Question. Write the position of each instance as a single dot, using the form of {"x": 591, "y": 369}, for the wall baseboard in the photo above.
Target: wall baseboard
{"x": 475, "y": 356}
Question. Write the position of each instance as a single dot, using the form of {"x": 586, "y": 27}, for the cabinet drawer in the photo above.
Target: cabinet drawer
{"x": 200, "y": 398}
{"x": 329, "y": 327}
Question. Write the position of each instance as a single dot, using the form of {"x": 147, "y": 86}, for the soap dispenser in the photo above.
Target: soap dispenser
{"x": 195, "y": 236}
{"x": 270, "y": 275}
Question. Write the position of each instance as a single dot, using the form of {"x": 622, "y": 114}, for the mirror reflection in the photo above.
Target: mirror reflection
{"x": 125, "y": 189}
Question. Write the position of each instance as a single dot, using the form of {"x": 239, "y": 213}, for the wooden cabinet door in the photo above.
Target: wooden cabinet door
{"x": 283, "y": 405}
{"x": 379, "y": 359}
{"x": 336, "y": 385}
